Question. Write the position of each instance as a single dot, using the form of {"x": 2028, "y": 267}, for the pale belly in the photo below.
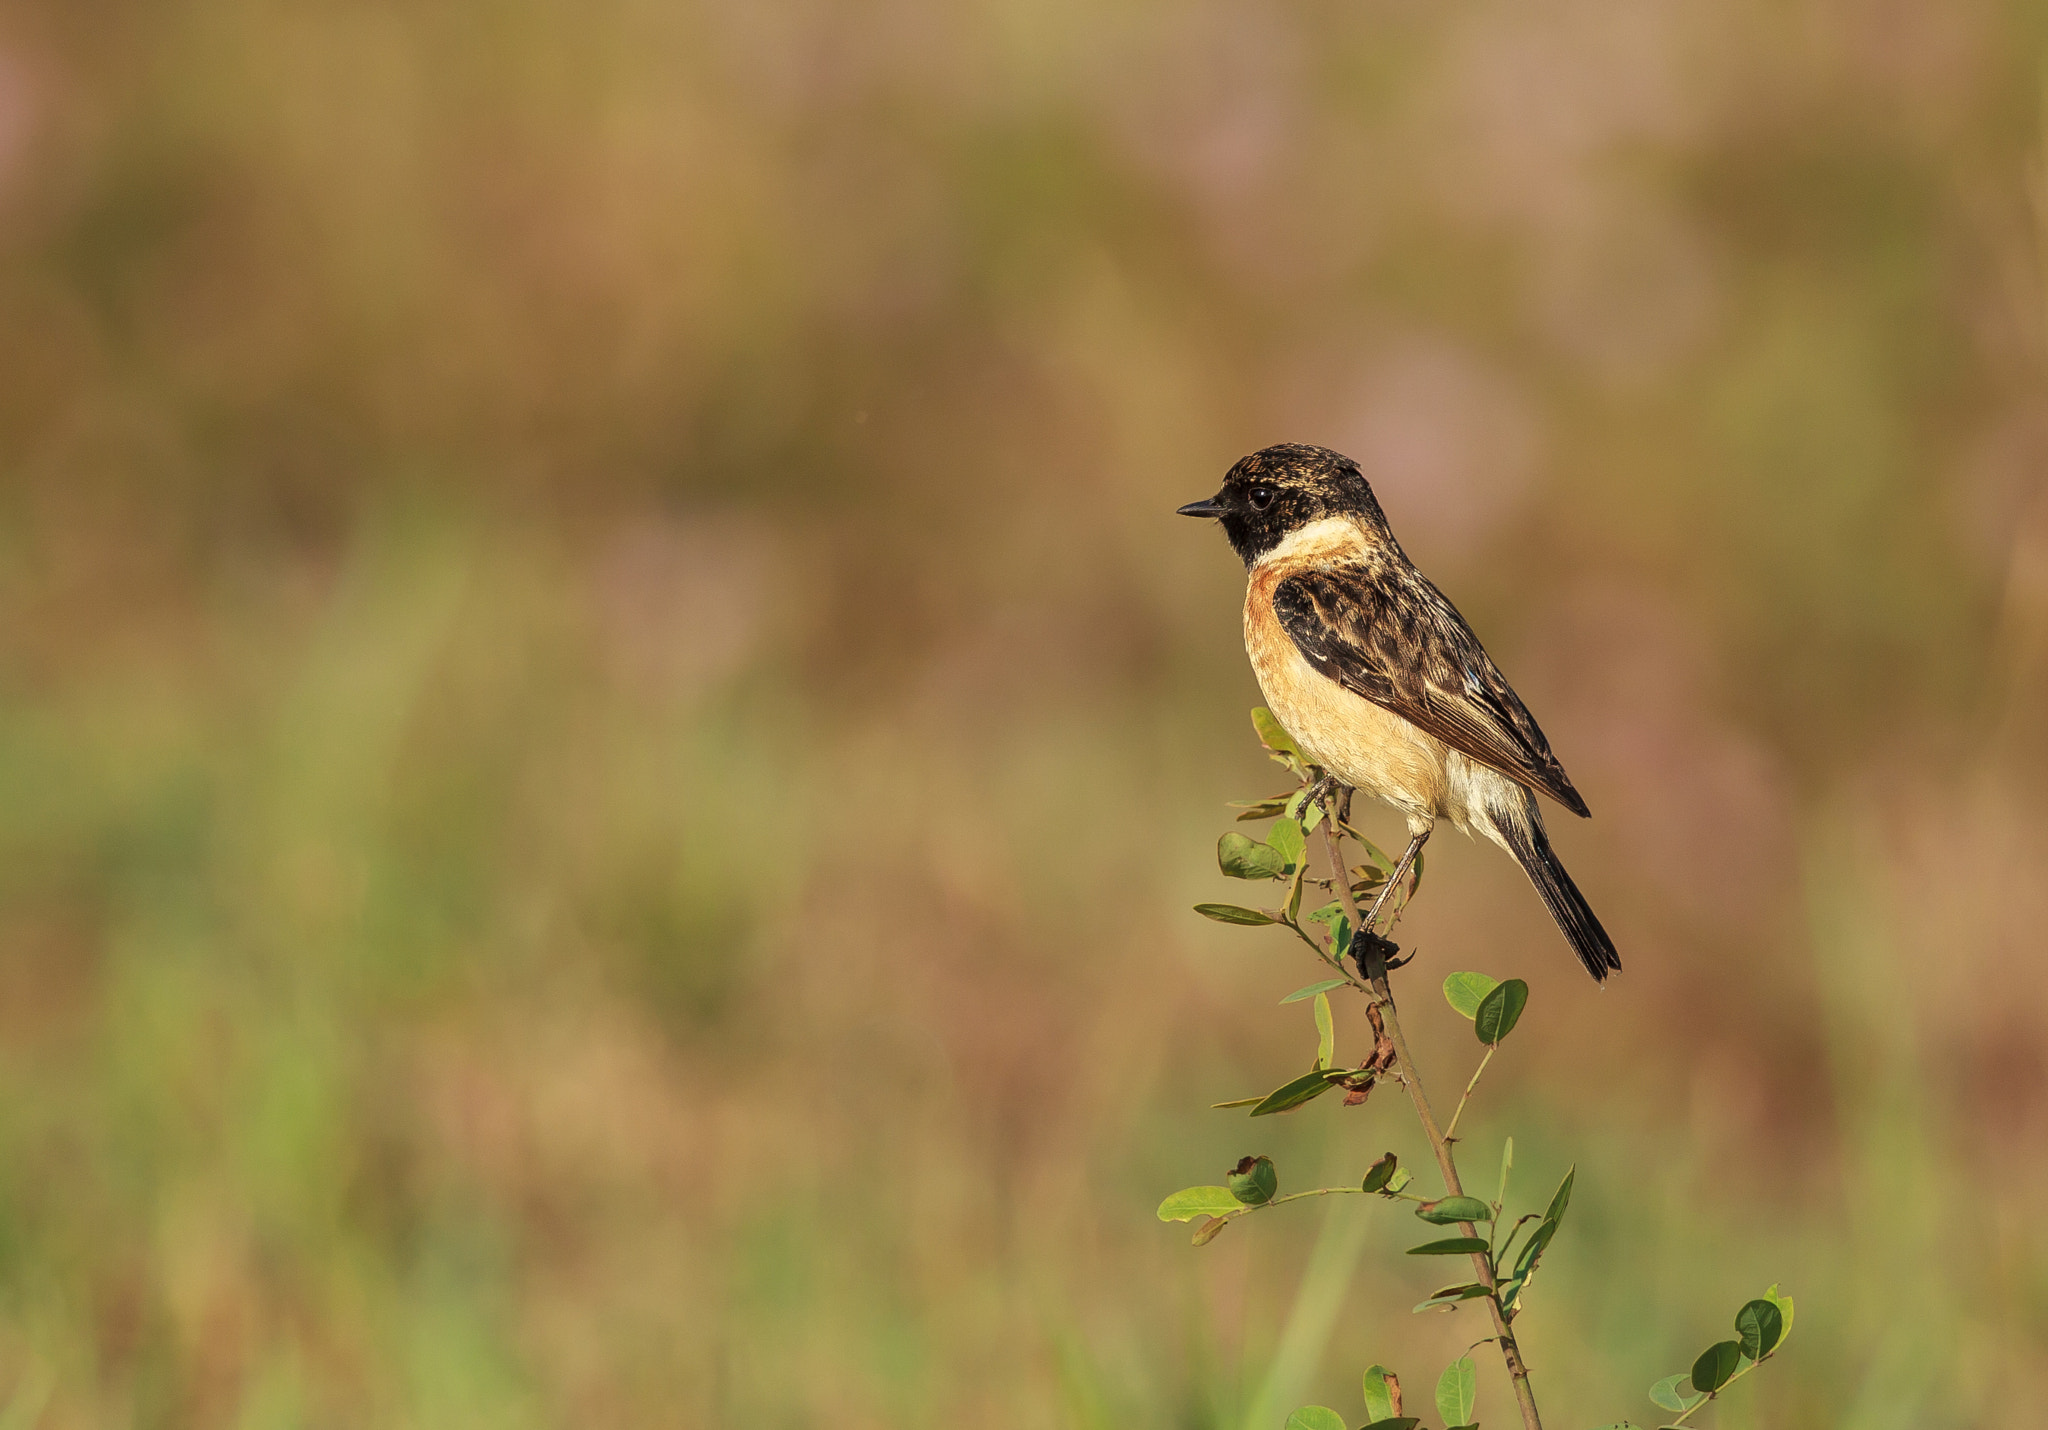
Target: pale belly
{"x": 1378, "y": 753}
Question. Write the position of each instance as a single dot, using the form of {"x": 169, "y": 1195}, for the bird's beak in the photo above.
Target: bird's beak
{"x": 1208, "y": 507}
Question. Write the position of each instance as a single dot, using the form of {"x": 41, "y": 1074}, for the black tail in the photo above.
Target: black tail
{"x": 1523, "y": 830}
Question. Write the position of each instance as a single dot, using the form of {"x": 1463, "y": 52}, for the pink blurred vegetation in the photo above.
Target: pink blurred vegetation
{"x": 606, "y": 732}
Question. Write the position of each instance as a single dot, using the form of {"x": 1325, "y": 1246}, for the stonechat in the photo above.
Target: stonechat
{"x": 1378, "y": 678}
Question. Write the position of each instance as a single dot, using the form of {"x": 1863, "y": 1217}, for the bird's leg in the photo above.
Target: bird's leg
{"x": 1372, "y": 917}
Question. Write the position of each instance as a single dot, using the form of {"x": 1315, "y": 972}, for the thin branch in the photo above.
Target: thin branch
{"x": 1383, "y": 1002}
{"x": 1451, "y": 1132}
{"x": 1291, "y": 1197}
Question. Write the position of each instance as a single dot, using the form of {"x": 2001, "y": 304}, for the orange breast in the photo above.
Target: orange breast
{"x": 1366, "y": 746}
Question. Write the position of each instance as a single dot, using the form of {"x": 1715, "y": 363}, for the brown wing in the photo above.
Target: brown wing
{"x": 1389, "y": 635}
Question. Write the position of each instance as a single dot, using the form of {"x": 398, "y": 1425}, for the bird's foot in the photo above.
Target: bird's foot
{"x": 1316, "y": 792}
{"x": 1373, "y": 948}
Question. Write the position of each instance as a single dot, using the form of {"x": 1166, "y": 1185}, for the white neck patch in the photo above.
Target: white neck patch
{"x": 1331, "y": 536}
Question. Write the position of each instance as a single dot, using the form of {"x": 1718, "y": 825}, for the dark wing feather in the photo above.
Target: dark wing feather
{"x": 1389, "y": 635}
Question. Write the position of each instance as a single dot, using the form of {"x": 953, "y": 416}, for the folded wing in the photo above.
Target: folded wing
{"x": 1391, "y": 637}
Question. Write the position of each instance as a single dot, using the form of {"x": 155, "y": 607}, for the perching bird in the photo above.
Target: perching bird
{"x": 1378, "y": 678}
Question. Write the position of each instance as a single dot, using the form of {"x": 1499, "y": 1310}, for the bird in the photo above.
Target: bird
{"x": 1379, "y": 680}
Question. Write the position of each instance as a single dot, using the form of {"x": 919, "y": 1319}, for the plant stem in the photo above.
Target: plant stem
{"x": 1295, "y": 1197}
{"x": 1451, "y": 1132}
{"x": 1383, "y": 995}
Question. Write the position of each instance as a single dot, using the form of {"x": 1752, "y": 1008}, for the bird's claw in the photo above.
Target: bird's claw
{"x": 1381, "y": 949}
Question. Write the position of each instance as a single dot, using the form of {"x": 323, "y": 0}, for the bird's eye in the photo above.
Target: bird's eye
{"x": 1260, "y": 497}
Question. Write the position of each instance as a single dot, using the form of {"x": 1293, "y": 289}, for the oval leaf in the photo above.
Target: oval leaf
{"x": 1450, "y": 1246}
{"x": 1717, "y": 1363}
{"x": 1253, "y": 1181}
{"x": 1760, "y": 1325}
{"x": 1191, "y": 1202}
{"x": 1209, "y": 1230}
{"x": 1457, "y": 1391}
{"x": 1784, "y": 1305}
{"x": 1242, "y": 857}
{"x": 1449, "y": 1209}
{"x": 1326, "y": 1033}
{"x": 1396, "y": 1422}
{"x": 1286, "y": 839}
{"x": 1233, "y": 914}
{"x": 1670, "y": 1393}
{"x": 1316, "y": 1417}
{"x": 1382, "y": 1390}
{"x": 1500, "y": 1010}
{"x": 1271, "y": 735}
{"x": 1465, "y": 991}
{"x": 1306, "y": 1088}
{"x": 1381, "y": 1172}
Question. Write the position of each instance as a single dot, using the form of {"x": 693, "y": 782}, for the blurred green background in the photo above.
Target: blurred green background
{"x": 606, "y": 732}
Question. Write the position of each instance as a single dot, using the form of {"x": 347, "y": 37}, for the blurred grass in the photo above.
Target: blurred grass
{"x": 605, "y": 734}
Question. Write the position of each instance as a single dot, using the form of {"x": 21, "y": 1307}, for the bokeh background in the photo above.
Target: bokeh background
{"x": 606, "y": 732}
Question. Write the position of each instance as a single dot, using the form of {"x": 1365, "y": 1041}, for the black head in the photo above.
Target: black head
{"x": 1282, "y": 489}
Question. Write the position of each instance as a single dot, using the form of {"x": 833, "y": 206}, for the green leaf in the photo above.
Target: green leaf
{"x": 1669, "y": 1393}
{"x": 1381, "y": 1172}
{"x": 1326, "y": 1033}
{"x": 1533, "y": 1251}
{"x": 1271, "y": 735}
{"x": 1562, "y": 1197}
{"x": 1450, "y": 1246}
{"x": 1287, "y": 840}
{"x": 1191, "y": 1202}
{"x": 1500, "y": 1010}
{"x": 1382, "y": 1390}
{"x": 1312, "y": 816}
{"x": 1238, "y": 1102}
{"x": 1209, "y": 1230}
{"x": 1294, "y": 893}
{"x": 1259, "y": 808}
{"x": 1784, "y": 1305}
{"x": 1242, "y": 857}
{"x": 1306, "y": 1088}
{"x": 1717, "y": 1363}
{"x": 1507, "y": 1164}
{"x": 1465, "y": 991}
{"x": 1450, "y": 1296}
{"x": 1316, "y": 1417}
{"x": 1253, "y": 1180}
{"x": 1233, "y": 914}
{"x": 1446, "y": 1210}
{"x": 1457, "y": 1391}
{"x": 1401, "y": 1178}
{"x": 1396, "y": 1422}
{"x": 1332, "y": 914}
{"x": 1760, "y": 1325}
{"x": 1314, "y": 988}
